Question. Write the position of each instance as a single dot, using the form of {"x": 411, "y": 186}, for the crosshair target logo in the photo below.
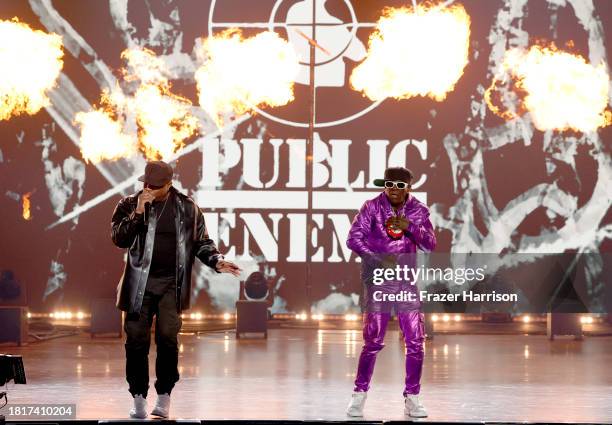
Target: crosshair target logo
{"x": 337, "y": 37}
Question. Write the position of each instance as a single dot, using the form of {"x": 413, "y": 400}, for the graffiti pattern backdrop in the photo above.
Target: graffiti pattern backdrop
{"x": 493, "y": 186}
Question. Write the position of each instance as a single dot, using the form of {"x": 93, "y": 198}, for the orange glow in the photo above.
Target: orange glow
{"x": 31, "y": 63}
{"x": 160, "y": 121}
{"x": 241, "y": 73}
{"x": 25, "y": 202}
{"x": 415, "y": 52}
{"x": 560, "y": 90}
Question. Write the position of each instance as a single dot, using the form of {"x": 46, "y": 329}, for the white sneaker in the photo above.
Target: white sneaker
{"x": 355, "y": 407}
{"x": 162, "y": 407}
{"x": 413, "y": 407}
{"x": 139, "y": 411}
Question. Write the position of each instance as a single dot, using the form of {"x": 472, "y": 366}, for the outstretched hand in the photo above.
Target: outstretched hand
{"x": 228, "y": 267}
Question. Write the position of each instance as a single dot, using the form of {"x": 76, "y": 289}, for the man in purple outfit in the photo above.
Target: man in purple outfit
{"x": 387, "y": 232}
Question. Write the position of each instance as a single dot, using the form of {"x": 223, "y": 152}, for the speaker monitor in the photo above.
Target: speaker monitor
{"x": 14, "y": 325}
{"x": 105, "y": 318}
{"x": 251, "y": 317}
{"x": 563, "y": 324}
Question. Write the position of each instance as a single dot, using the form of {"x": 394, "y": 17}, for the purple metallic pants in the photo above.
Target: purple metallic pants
{"x": 374, "y": 327}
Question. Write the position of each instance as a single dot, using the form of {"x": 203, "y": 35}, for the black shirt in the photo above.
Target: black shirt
{"x": 163, "y": 261}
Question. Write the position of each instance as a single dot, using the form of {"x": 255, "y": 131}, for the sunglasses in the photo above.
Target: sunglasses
{"x": 152, "y": 187}
{"x": 400, "y": 185}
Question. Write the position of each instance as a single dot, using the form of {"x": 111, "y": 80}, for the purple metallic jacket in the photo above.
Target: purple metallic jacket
{"x": 368, "y": 238}
{"x": 368, "y": 234}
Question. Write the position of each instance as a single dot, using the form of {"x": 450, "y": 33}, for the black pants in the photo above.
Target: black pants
{"x": 138, "y": 331}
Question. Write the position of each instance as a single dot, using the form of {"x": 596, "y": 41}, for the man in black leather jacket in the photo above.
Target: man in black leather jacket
{"x": 163, "y": 231}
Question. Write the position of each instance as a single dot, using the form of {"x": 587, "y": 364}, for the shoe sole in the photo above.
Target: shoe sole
{"x": 415, "y": 415}
{"x": 138, "y": 417}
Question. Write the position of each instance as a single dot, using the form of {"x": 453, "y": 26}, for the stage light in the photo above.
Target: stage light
{"x": 194, "y": 316}
{"x": 227, "y": 316}
{"x": 61, "y": 315}
{"x": 51, "y": 315}
{"x": 434, "y": 317}
{"x": 586, "y": 320}
{"x": 457, "y": 318}
{"x": 29, "y": 315}
{"x": 80, "y": 315}
{"x": 256, "y": 286}
{"x": 301, "y": 316}
{"x": 446, "y": 318}
{"x": 318, "y": 317}
{"x": 11, "y": 369}
{"x": 350, "y": 317}
{"x": 526, "y": 319}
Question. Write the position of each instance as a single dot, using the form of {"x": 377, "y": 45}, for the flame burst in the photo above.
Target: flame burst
{"x": 31, "y": 62}
{"x": 25, "y": 204}
{"x": 102, "y": 137}
{"x": 560, "y": 90}
{"x": 410, "y": 53}
{"x": 239, "y": 73}
{"x": 160, "y": 120}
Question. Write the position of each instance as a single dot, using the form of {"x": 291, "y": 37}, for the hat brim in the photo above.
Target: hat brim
{"x": 141, "y": 178}
{"x": 379, "y": 182}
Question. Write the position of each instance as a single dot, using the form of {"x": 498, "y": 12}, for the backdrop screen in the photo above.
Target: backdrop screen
{"x": 492, "y": 185}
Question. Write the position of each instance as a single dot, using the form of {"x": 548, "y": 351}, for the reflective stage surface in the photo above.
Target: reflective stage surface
{"x": 308, "y": 374}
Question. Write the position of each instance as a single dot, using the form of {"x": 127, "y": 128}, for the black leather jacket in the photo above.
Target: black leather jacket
{"x": 130, "y": 231}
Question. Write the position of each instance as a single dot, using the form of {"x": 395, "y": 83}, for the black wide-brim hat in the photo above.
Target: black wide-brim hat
{"x": 396, "y": 174}
{"x": 157, "y": 173}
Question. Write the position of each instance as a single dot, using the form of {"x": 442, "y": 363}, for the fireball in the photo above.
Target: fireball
{"x": 560, "y": 90}
{"x": 31, "y": 63}
{"x": 25, "y": 205}
{"x": 102, "y": 137}
{"x": 151, "y": 119}
{"x": 239, "y": 74}
{"x": 418, "y": 51}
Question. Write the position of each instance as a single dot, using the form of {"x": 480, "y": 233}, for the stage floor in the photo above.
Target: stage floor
{"x": 302, "y": 374}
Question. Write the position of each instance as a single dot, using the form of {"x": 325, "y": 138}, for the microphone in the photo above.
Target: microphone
{"x": 147, "y": 209}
